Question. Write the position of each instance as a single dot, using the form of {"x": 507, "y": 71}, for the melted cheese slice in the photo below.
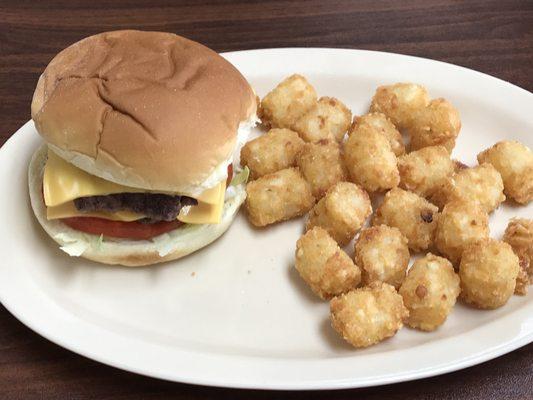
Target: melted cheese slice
{"x": 63, "y": 182}
{"x": 205, "y": 213}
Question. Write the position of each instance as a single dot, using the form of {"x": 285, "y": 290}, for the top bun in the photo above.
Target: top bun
{"x": 150, "y": 110}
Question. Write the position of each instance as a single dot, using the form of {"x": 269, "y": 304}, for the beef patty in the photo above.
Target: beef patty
{"x": 156, "y": 207}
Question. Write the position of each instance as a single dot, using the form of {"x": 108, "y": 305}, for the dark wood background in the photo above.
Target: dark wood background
{"x": 495, "y": 37}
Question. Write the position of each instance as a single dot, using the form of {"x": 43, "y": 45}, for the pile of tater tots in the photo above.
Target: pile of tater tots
{"x": 315, "y": 160}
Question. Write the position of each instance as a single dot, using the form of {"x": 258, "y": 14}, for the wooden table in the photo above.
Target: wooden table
{"x": 495, "y": 37}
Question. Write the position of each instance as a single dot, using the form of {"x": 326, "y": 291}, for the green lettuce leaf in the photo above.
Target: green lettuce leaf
{"x": 241, "y": 177}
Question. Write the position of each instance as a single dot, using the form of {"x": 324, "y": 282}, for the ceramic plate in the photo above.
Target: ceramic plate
{"x": 236, "y": 314}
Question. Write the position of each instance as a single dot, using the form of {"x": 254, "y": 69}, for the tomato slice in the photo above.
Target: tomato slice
{"x": 128, "y": 230}
{"x": 230, "y": 175}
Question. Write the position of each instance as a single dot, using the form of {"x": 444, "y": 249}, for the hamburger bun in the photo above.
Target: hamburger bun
{"x": 169, "y": 246}
{"x": 149, "y": 110}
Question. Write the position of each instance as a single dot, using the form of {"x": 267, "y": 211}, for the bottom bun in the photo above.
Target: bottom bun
{"x": 168, "y": 246}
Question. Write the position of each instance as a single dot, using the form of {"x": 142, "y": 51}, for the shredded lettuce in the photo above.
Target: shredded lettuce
{"x": 99, "y": 242}
{"x": 72, "y": 247}
{"x": 165, "y": 244}
{"x": 241, "y": 177}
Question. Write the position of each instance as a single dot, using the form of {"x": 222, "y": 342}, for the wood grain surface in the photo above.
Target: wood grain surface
{"x": 495, "y": 37}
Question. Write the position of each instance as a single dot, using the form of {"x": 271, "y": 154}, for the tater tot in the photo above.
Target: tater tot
{"x": 488, "y": 272}
{"x": 268, "y": 153}
{"x": 519, "y": 234}
{"x": 277, "y": 197}
{"x": 400, "y": 102}
{"x": 370, "y": 161}
{"x": 481, "y": 184}
{"x": 459, "y": 165}
{"x": 321, "y": 165}
{"x": 514, "y": 162}
{"x": 367, "y": 316}
{"x": 522, "y": 279}
{"x": 381, "y": 123}
{"x": 429, "y": 292}
{"x": 287, "y": 102}
{"x": 413, "y": 215}
{"x": 341, "y": 212}
{"x": 459, "y": 225}
{"x": 327, "y": 269}
{"x": 382, "y": 254}
{"x": 329, "y": 118}
{"x": 437, "y": 124}
{"x": 424, "y": 171}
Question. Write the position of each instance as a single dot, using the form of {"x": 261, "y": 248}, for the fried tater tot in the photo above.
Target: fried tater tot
{"x": 381, "y": 123}
{"x": 321, "y": 165}
{"x": 366, "y": 316}
{"x": 324, "y": 266}
{"x": 277, "y": 149}
{"x": 277, "y": 197}
{"x": 382, "y": 254}
{"x": 341, "y": 212}
{"x": 481, "y": 184}
{"x": 437, "y": 124}
{"x": 429, "y": 292}
{"x": 329, "y": 118}
{"x": 459, "y": 225}
{"x": 514, "y": 162}
{"x": 424, "y": 171}
{"x": 287, "y": 102}
{"x": 522, "y": 279}
{"x": 459, "y": 165}
{"x": 400, "y": 102}
{"x": 519, "y": 234}
{"x": 413, "y": 215}
{"x": 488, "y": 272}
{"x": 370, "y": 161}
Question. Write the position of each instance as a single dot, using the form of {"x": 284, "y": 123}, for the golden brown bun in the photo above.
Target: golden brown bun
{"x": 151, "y": 110}
{"x": 170, "y": 246}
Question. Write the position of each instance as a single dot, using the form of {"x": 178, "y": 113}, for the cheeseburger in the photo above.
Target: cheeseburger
{"x": 141, "y": 129}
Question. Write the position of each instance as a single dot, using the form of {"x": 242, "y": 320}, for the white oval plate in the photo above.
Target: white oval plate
{"x": 236, "y": 314}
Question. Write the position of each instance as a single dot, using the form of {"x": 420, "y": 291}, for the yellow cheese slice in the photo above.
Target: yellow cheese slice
{"x": 63, "y": 182}
{"x": 205, "y": 213}
{"x": 68, "y": 209}
{"x": 212, "y": 196}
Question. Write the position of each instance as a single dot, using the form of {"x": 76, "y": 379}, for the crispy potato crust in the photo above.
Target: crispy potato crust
{"x": 400, "y": 102}
{"x": 277, "y": 197}
{"x": 382, "y": 254}
{"x": 324, "y": 266}
{"x": 481, "y": 184}
{"x": 341, "y": 212}
{"x": 321, "y": 165}
{"x": 514, "y": 162}
{"x": 437, "y": 124}
{"x": 488, "y": 273}
{"x": 367, "y": 316}
{"x": 429, "y": 292}
{"x": 287, "y": 102}
{"x": 424, "y": 171}
{"x": 369, "y": 159}
{"x": 413, "y": 215}
{"x": 459, "y": 225}
{"x": 382, "y": 124}
{"x": 275, "y": 150}
{"x": 329, "y": 118}
{"x": 519, "y": 234}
